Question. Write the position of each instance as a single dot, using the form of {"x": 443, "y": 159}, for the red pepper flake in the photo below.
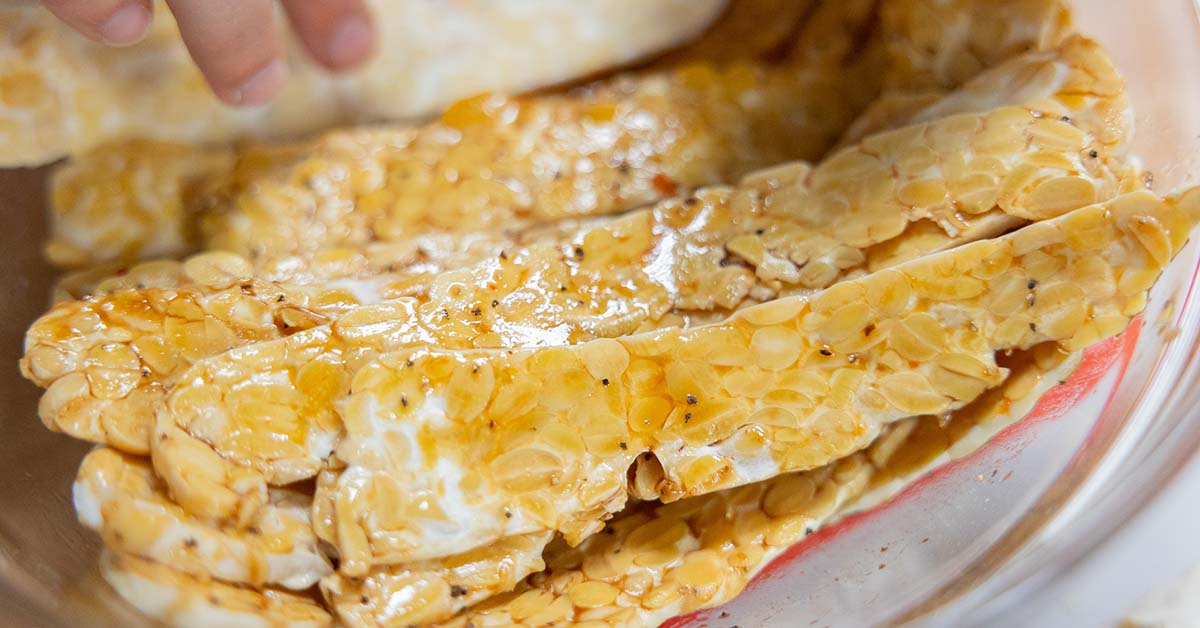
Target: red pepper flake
{"x": 664, "y": 184}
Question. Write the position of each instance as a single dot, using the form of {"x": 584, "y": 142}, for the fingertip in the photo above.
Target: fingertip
{"x": 127, "y": 25}
{"x": 257, "y": 89}
{"x": 112, "y": 22}
{"x": 350, "y": 43}
{"x": 338, "y": 34}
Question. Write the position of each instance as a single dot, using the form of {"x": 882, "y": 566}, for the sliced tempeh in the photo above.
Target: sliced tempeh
{"x": 420, "y": 593}
{"x": 120, "y": 497}
{"x": 64, "y": 93}
{"x": 182, "y": 600}
{"x": 108, "y": 360}
{"x": 649, "y": 568}
{"x": 784, "y": 231}
{"x": 490, "y": 162}
{"x": 1053, "y": 81}
{"x": 660, "y": 561}
{"x": 942, "y": 43}
{"x": 449, "y": 450}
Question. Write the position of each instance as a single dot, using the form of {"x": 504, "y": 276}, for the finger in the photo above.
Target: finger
{"x": 114, "y": 22}
{"x": 237, "y": 46}
{"x": 337, "y": 33}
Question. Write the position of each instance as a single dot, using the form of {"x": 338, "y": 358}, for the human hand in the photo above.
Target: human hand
{"x": 235, "y": 43}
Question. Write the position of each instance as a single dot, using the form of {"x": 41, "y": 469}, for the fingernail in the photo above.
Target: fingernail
{"x": 262, "y": 86}
{"x": 351, "y": 42}
{"x": 126, "y": 25}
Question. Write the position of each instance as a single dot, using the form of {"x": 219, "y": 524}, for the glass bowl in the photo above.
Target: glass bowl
{"x": 965, "y": 545}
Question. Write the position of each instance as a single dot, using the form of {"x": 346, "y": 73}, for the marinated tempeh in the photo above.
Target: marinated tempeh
{"x": 785, "y": 231}
{"x": 661, "y": 561}
{"x": 636, "y": 576}
{"x": 108, "y": 360}
{"x": 1052, "y": 81}
{"x": 187, "y": 601}
{"x": 432, "y": 359}
{"x": 467, "y": 447}
{"x": 120, "y": 497}
{"x": 1093, "y": 99}
{"x": 490, "y": 162}
{"x": 420, "y": 593}
{"x": 64, "y": 93}
{"x": 942, "y": 43}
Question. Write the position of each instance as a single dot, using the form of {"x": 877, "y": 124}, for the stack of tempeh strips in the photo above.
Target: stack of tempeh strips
{"x": 454, "y": 374}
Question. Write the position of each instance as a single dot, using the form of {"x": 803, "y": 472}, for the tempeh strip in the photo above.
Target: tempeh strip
{"x": 630, "y": 578}
{"x": 490, "y": 162}
{"x": 182, "y": 600}
{"x": 1052, "y": 81}
{"x": 120, "y": 497}
{"x": 420, "y": 593}
{"x": 65, "y": 93}
{"x": 108, "y": 360}
{"x": 466, "y": 447}
{"x": 942, "y": 43}
{"x": 659, "y": 561}
{"x": 792, "y": 230}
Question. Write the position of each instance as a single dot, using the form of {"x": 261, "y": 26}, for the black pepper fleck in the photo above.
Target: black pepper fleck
{"x": 508, "y": 515}
{"x": 579, "y": 252}
{"x": 691, "y": 201}
{"x": 825, "y": 352}
{"x": 623, "y": 445}
{"x": 1032, "y": 284}
{"x": 687, "y": 417}
{"x": 604, "y": 381}
{"x": 279, "y": 299}
{"x": 477, "y": 311}
{"x": 1094, "y": 154}
{"x": 495, "y": 303}
{"x": 457, "y": 591}
{"x": 503, "y": 255}
{"x": 404, "y": 399}
{"x": 759, "y": 231}
{"x": 364, "y": 600}
{"x": 1065, "y": 118}
{"x": 1033, "y": 327}
{"x": 190, "y": 542}
{"x": 691, "y": 399}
